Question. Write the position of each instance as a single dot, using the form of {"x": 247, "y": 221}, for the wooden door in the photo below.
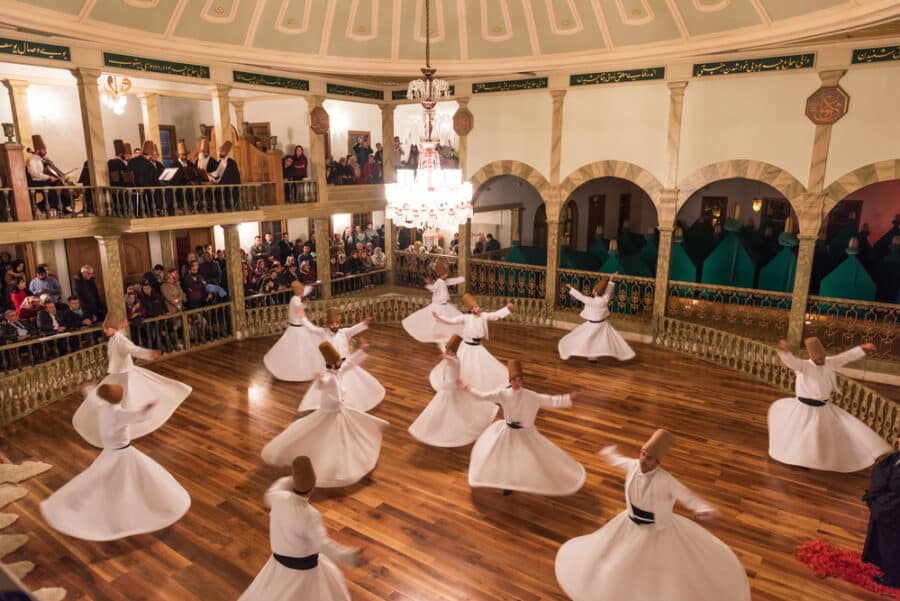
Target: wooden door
{"x": 539, "y": 231}
{"x": 596, "y": 215}
{"x": 569, "y": 234}
{"x": 134, "y": 250}
{"x": 263, "y": 132}
{"x": 187, "y": 240}
{"x": 85, "y": 251}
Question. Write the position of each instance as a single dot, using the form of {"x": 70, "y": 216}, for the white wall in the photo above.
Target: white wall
{"x": 246, "y": 233}
{"x": 298, "y": 228}
{"x": 356, "y": 116}
{"x": 624, "y": 123}
{"x": 186, "y": 114}
{"x": 508, "y": 190}
{"x": 288, "y": 117}
{"x": 122, "y": 127}
{"x": 870, "y": 131}
{"x": 155, "y": 248}
{"x": 738, "y": 191}
{"x": 510, "y": 127}
{"x": 56, "y": 115}
{"x": 759, "y": 117}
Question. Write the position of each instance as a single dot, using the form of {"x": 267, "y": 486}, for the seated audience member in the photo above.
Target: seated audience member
{"x": 48, "y": 320}
{"x": 210, "y": 270}
{"x": 44, "y": 284}
{"x": 19, "y": 292}
{"x": 76, "y": 317}
{"x": 379, "y": 259}
{"x": 13, "y": 329}
{"x": 194, "y": 286}
{"x": 29, "y": 308}
{"x": 133, "y": 308}
{"x": 356, "y": 263}
{"x": 172, "y": 293}
{"x": 307, "y": 273}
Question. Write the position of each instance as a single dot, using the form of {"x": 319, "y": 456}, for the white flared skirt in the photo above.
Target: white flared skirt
{"x": 594, "y": 340}
{"x": 625, "y": 562}
{"x": 276, "y": 582}
{"x": 122, "y": 493}
{"x": 422, "y": 325}
{"x": 295, "y": 357}
{"x": 141, "y": 386}
{"x": 343, "y": 445}
{"x": 452, "y": 419}
{"x": 361, "y": 390}
{"x": 523, "y": 460}
{"x": 477, "y": 367}
{"x": 821, "y": 438}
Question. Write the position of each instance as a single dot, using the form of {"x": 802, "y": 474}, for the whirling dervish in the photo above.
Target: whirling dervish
{"x": 809, "y": 431}
{"x": 647, "y": 551}
{"x": 343, "y": 443}
{"x": 141, "y": 386}
{"x": 295, "y": 357}
{"x": 361, "y": 390}
{"x": 123, "y": 492}
{"x": 595, "y": 337}
{"x": 452, "y": 418}
{"x": 481, "y": 369}
{"x": 302, "y": 562}
{"x": 421, "y": 325}
{"x": 512, "y": 455}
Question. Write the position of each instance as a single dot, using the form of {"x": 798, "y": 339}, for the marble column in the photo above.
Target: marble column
{"x": 221, "y": 112}
{"x": 822, "y": 140}
{"x": 323, "y": 253}
{"x": 516, "y": 225}
{"x": 555, "y": 201}
{"x": 673, "y": 137}
{"x": 150, "y": 116}
{"x": 462, "y": 264}
{"x": 239, "y": 117}
{"x": 21, "y": 115}
{"x": 389, "y": 243}
{"x": 94, "y": 138}
{"x": 387, "y": 141}
{"x": 235, "y": 279}
{"x": 800, "y": 295}
{"x": 666, "y": 211}
{"x": 317, "y": 152}
{"x": 111, "y": 266}
{"x": 169, "y": 251}
{"x": 463, "y": 144}
{"x": 551, "y": 283}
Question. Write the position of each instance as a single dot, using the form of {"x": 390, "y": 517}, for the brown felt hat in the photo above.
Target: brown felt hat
{"x": 128, "y": 149}
{"x": 333, "y": 316}
{"x": 111, "y": 393}
{"x": 453, "y": 343}
{"x": 658, "y": 444}
{"x": 37, "y": 142}
{"x": 297, "y": 287}
{"x": 119, "y": 147}
{"x": 815, "y": 349}
{"x": 329, "y": 353}
{"x": 440, "y": 268}
{"x": 304, "y": 474}
{"x": 182, "y": 149}
{"x": 613, "y": 245}
{"x": 600, "y": 286}
{"x": 203, "y": 145}
{"x": 148, "y": 148}
{"x": 225, "y": 148}
{"x": 115, "y": 320}
{"x": 469, "y": 301}
{"x": 514, "y": 367}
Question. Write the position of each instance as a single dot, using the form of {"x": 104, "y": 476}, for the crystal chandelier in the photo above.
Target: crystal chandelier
{"x": 115, "y": 93}
{"x": 429, "y": 196}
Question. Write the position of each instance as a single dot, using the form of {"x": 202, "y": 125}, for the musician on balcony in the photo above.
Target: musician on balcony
{"x": 42, "y": 173}
{"x": 226, "y": 174}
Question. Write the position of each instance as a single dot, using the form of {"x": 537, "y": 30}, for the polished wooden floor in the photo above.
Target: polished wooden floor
{"x": 426, "y": 535}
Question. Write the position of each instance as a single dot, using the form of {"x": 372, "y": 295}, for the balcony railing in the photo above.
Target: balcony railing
{"x": 6, "y": 205}
{"x": 757, "y": 314}
{"x": 297, "y": 192}
{"x": 357, "y": 282}
{"x": 29, "y": 352}
{"x": 169, "y": 201}
{"x": 497, "y": 278}
{"x": 842, "y": 323}
{"x": 53, "y": 202}
{"x": 411, "y": 268}
{"x": 631, "y": 299}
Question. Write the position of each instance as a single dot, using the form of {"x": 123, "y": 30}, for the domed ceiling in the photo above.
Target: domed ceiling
{"x": 469, "y": 36}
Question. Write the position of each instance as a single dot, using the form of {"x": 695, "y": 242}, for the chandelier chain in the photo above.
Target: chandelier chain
{"x": 427, "y": 34}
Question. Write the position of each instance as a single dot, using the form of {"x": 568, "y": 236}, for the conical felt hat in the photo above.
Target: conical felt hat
{"x": 659, "y": 444}
{"x": 600, "y": 286}
{"x": 128, "y": 149}
{"x": 815, "y": 348}
{"x": 182, "y": 149}
{"x": 453, "y": 343}
{"x": 115, "y": 320}
{"x": 469, "y": 301}
{"x": 333, "y": 316}
{"x": 148, "y": 148}
{"x": 514, "y": 367}
{"x": 440, "y": 268}
{"x": 304, "y": 474}
{"x": 111, "y": 393}
{"x": 37, "y": 143}
{"x": 119, "y": 147}
{"x": 225, "y": 148}
{"x": 329, "y": 353}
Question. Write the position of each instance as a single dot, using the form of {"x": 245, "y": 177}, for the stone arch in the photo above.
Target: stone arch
{"x": 860, "y": 177}
{"x": 759, "y": 171}
{"x": 620, "y": 169}
{"x": 514, "y": 168}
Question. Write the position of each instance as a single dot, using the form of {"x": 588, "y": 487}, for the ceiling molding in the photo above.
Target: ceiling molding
{"x": 679, "y": 19}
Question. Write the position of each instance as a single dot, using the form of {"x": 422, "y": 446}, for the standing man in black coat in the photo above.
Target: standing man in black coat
{"x": 882, "y": 546}
{"x": 87, "y": 293}
{"x": 227, "y": 175}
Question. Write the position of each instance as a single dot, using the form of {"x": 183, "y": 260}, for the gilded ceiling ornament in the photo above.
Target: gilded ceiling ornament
{"x": 361, "y": 29}
{"x": 827, "y": 105}
{"x": 497, "y": 29}
{"x": 636, "y": 12}
{"x": 292, "y": 21}
{"x": 565, "y": 22}
{"x": 220, "y": 10}
{"x": 319, "y": 121}
{"x": 463, "y": 121}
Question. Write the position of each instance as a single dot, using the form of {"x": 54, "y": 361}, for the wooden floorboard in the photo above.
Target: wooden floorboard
{"x": 426, "y": 535}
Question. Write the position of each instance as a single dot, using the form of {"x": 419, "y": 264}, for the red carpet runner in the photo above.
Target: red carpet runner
{"x": 827, "y": 560}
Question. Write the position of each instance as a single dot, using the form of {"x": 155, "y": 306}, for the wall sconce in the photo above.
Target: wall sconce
{"x": 757, "y": 205}
{"x": 273, "y": 142}
{"x": 9, "y": 130}
{"x": 205, "y": 130}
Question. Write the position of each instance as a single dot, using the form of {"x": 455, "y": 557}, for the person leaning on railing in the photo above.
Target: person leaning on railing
{"x": 13, "y": 329}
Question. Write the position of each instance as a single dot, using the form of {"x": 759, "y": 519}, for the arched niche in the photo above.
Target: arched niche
{"x": 506, "y": 206}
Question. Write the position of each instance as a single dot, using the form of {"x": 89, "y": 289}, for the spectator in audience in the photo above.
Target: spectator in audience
{"x": 29, "y": 308}
{"x": 195, "y": 287}
{"x": 13, "y": 329}
{"x": 356, "y": 263}
{"x": 151, "y": 300}
{"x": 284, "y": 248}
{"x": 454, "y": 244}
{"x": 335, "y": 268}
{"x": 289, "y": 276}
{"x": 251, "y": 282}
{"x": 296, "y": 165}
{"x": 210, "y": 270}
{"x": 379, "y": 259}
{"x": 307, "y": 273}
{"x": 172, "y": 292}
{"x": 343, "y": 264}
{"x": 359, "y": 236}
{"x": 362, "y": 151}
{"x": 397, "y": 149}
{"x": 43, "y": 283}
{"x": 49, "y": 321}
{"x": 257, "y": 251}
{"x": 76, "y": 317}
{"x": 19, "y": 293}
{"x": 304, "y": 254}
{"x": 368, "y": 174}
{"x": 270, "y": 248}
{"x": 353, "y": 173}
{"x": 491, "y": 244}
{"x": 412, "y": 162}
{"x": 269, "y": 283}
{"x": 85, "y": 289}
{"x": 186, "y": 266}
{"x": 332, "y": 171}
{"x": 16, "y": 270}
{"x": 133, "y": 308}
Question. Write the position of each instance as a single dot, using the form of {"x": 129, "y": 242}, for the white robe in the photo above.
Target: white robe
{"x": 296, "y": 530}
{"x": 141, "y": 386}
{"x": 361, "y": 390}
{"x": 673, "y": 558}
{"x": 827, "y": 437}
{"x": 452, "y": 418}
{"x": 594, "y": 340}
{"x": 343, "y": 443}
{"x": 295, "y": 357}
{"x": 123, "y": 492}
{"x": 479, "y": 368}
{"x": 522, "y": 459}
{"x": 422, "y": 325}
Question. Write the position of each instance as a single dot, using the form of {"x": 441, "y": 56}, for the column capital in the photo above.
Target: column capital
{"x": 86, "y": 75}
{"x": 16, "y": 84}
{"x": 147, "y": 95}
{"x": 219, "y": 89}
{"x": 108, "y": 238}
{"x": 315, "y": 100}
{"x": 832, "y": 77}
{"x": 558, "y": 95}
{"x": 237, "y": 103}
{"x": 463, "y": 102}
{"x": 676, "y": 88}
{"x": 387, "y": 107}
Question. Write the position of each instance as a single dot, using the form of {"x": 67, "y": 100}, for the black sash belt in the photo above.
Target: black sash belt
{"x": 598, "y": 321}
{"x": 298, "y": 563}
{"x": 296, "y": 325}
{"x": 475, "y": 342}
{"x": 811, "y": 402}
{"x": 120, "y": 448}
{"x": 641, "y": 517}
{"x": 514, "y": 425}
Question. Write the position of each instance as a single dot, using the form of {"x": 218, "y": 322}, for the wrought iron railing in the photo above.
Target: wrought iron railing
{"x": 491, "y": 255}
{"x": 358, "y": 282}
{"x": 53, "y": 202}
{"x": 296, "y": 192}
{"x": 759, "y": 314}
{"x": 27, "y": 353}
{"x": 6, "y": 204}
{"x": 168, "y": 201}
{"x": 632, "y": 297}
{"x": 411, "y": 268}
{"x": 269, "y": 299}
{"x": 760, "y": 361}
{"x": 497, "y": 278}
{"x": 841, "y": 323}
{"x": 185, "y": 330}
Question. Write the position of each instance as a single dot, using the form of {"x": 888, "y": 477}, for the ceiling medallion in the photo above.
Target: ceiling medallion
{"x": 827, "y": 105}
{"x": 362, "y": 29}
{"x": 429, "y": 196}
{"x": 565, "y": 22}
{"x": 292, "y": 21}
{"x": 497, "y": 29}
{"x": 220, "y": 10}
{"x": 636, "y": 12}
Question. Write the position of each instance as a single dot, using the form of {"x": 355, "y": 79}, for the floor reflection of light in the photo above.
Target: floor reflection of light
{"x": 256, "y": 393}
